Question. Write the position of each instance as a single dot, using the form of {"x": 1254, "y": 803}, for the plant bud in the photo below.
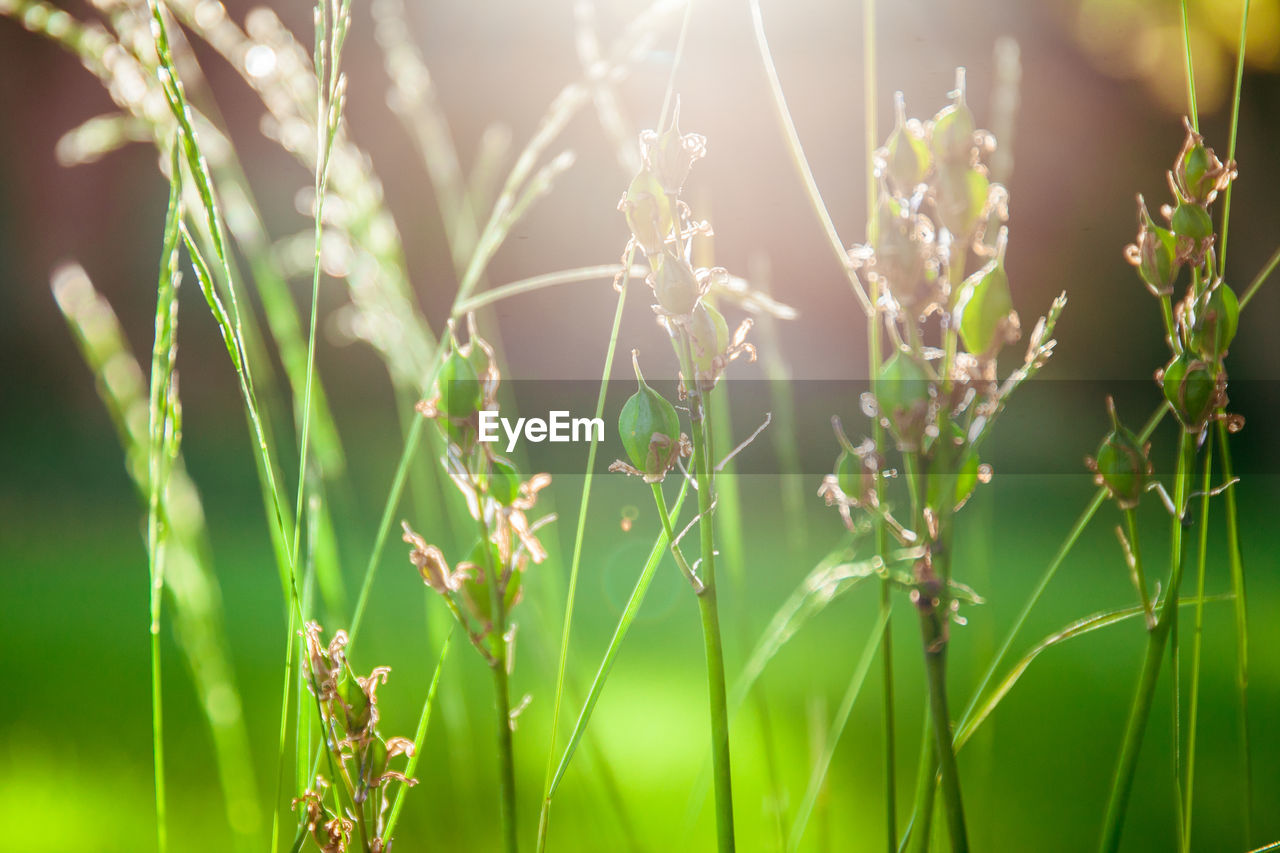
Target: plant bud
{"x": 475, "y": 587}
{"x": 1198, "y": 174}
{"x": 650, "y": 430}
{"x": 959, "y": 484}
{"x": 983, "y": 309}
{"x": 899, "y": 259}
{"x": 906, "y": 154}
{"x": 1155, "y": 253}
{"x": 675, "y": 284}
{"x": 710, "y": 336}
{"x": 902, "y": 395}
{"x": 1213, "y": 321}
{"x": 504, "y": 481}
{"x": 961, "y": 199}
{"x": 1192, "y": 221}
{"x": 1190, "y": 389}
{"x": 458, "y": 386}
{"x": 671, "y": 154}
{"x": 953, "y": 127}
{"x": 1121, "y": 465}
{"x": 648, "y": 211}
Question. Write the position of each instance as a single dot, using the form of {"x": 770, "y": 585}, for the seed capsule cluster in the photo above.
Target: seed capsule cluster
{"x": 498, "y": 498}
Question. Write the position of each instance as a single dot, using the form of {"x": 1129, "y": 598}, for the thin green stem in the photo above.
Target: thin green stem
{"x": 1157, "y": 639}
{"x": 544, "y": 814}
{"x": 1260, "y": 278}
{"x": 936, "y": 669}
{"x": 676, "y": 553}
{"x": 921, "y": 825}
{"x": 1193, "y": 707}
{"x": 1191, "y": 74}
{"x": 1232, "y": 135}
{"x": 418, "y": 739}
{"x": 717, "y": 693}
{"x": 1242, "y": 626}
{"x": 501, "y": 692}
{"x": 1139, "y": 574}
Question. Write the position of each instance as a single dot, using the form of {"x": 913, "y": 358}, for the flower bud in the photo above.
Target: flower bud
{"x": 504, "y": 481}
{"x": 674, "y": 283}
{"x": 953, "y": 127}
{"x": 1155, "y": 254}
{"x": 961, "y": 199}
{"x": 1213, "y": 320}
{"x": 709, "y": 334}
{"x": 1190, "y": 389}
{"x": 983, "y": 309}
{"x": 458, "y": 386}
{"x": 671, "y": 154}
{"x": 650, "y": 430}
{"x": 902, "y": 396}
{"x": 647, "y": 208}
{"x": 1198, "y": 174}
{"x": 1121, "y": 466}
{"x": 906, "y": 155}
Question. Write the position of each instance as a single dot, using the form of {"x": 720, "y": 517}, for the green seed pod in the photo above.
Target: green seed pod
{"x": 476, "y": 587}
{"x": 1121, "y": 464}
{"x": 907, "y": 157}
{"x": 962, "y": 196}
{"x": 504, "y": 481}
{"x": 458, "y": 387}
{"x": 902, "y": 396}
{"x": 899, "y": 259}
{"x": 1198, "y": 174}
{"x": 1157, "y": 254}
{"x": 675, "y": 284}
{"x": 671, "y": 154}
{"x": 953, "y": 127}
{"x": 649, "y": 429}
{"x": 1190, "y": 389}
{"x": 849, "y": 473}
{"x": 710, "y": 334}
{"x": 648, "y": 211}
{"x": 1192, "y": 221}
{"x": 982, "y": 309}
{"x": 1213, "y": 321}
{"x": 962, "y": 483}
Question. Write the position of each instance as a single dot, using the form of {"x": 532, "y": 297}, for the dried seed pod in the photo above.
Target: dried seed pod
{"x": 984, "y": 308}
{"x": 905, "y": 155}
{"x": 1155, "y": 253}
{"x": 674, "y": 283}
{"x": 1191, "y": 390}
{"x": 650, "y": 430}
{"x": 1212, "y": 319}
{"x": 1122, "y": 465}
{"x": 648, "y": 211}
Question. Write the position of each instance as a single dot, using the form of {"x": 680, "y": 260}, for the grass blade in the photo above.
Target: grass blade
{"x": 551, "y": 279}
{"x": 1087, "y": 625}
{"x": 819, "y": 774}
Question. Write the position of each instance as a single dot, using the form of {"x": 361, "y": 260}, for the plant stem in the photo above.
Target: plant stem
{"x": 1194, "y": 707}
{"x": 935, "y": 659}
{"x": 1242, "y": 626}
{"x": 926, "y": 788}
{"x": 717, "y": 694}
{"x": 1157, "y": 638}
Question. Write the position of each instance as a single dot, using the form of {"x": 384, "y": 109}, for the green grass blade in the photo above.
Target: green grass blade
{"x": 1191, "y": 73}
{"x": 1193, "y": 702}
{"x": 540, "y": 282}
{"x": 575, "y": 561}
{"x": 1087, "y": 625}
{"x": 1267, "y": 269}
{"x": 165, "y": 438}
{"x": 418, "y": 739}
{"x": 818, "y": 775}
{"x": 615, "y": 644}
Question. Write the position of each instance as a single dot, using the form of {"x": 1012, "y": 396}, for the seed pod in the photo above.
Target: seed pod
{"x": 1192, "y": 221}
{"x": 1213, "y": 321}
{"x": 899, "y": 259}
{"x": 710, "y": 336}
{"x": 650, "y": 430}
{"x": 671, "y": 154}
{"x": 983, "y": 309}
{"x": 648, "y": 211}
{"x": 952, "y": 136}
{"x": 475, "y": 587}
{"x": 959, "y": 483}
{"x": 1121, "y": 465}
{"x": 1155, "y": 254}
{"x": 1190, "y": 389}
{"x": 906, "y": 154}
{"x": 961, "y": 198}
{"x": 1198, "y": 174}
{"x": 674, "y": 283}
{"x": 504, "y": 481}
{"x": 458, "y": 387}
{"x": 902, "y": 396}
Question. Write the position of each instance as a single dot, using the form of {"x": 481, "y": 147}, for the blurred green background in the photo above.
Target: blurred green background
{"x": 1096, "y": 124}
